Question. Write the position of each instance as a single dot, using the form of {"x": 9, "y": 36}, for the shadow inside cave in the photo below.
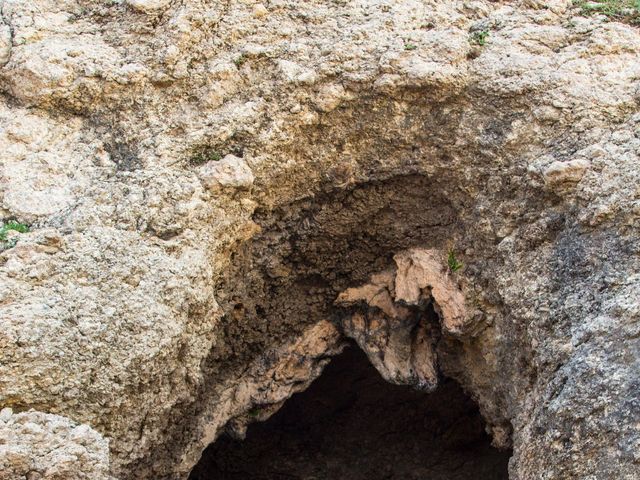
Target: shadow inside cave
{"x": 351, "y": 424}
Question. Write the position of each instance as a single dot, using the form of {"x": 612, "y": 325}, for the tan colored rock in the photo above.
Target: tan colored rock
{"x": 377, "y": 294}
{"x": 41, "y": 168}
{"x": 561, "y": 173}
{"x": 399, "y": 340}
{"x": 330, "y": 97}
{"x": 296, "y": 73}
{"x": 120, "y": 320}
{"x": 231, "y": 172}
{"x": 268, "y": 382}
{"x": 259, "y": 10}
{"x": 149, "y": 5}
{"x": 402, "y": 353}
{"x": 5, "y": 44}
{"x": 422, "y": 273}
{"x": 41, "y": 445}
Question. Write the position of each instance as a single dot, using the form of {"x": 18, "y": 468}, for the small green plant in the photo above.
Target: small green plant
{"x": 479, "y": 37}
{"x": 6, "y": 243}
{"x": 452, "y": 261}
{"x": 204, "y": 155}
{"x": 622, "y": 10}
{"x": 254, "y": 412}
{"x": 12, "y": 225}
{"x": 410, "y": 46}
{"x": 239, "y": 61}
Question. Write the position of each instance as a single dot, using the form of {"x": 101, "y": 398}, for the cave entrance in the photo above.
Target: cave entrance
{"x": 352, "y": 424}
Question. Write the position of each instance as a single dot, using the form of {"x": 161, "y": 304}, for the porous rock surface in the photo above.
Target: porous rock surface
{"x": 399, "y": 341}
{"x": 38, "y": 445}
{"x": 148, "y": 290}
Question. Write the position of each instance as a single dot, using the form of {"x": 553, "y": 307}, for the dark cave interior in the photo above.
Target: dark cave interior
{"x": 351, "y": 424}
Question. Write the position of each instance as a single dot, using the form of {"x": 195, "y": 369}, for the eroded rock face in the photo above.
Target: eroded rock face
{"x": 266, "y": 384}
{"x": 39, "y": 445}
{"x": 5, "y": 43}
{"x": 400, "y": 341}
{"x": 230, "y": 172}
{"x": 149, "y": 288}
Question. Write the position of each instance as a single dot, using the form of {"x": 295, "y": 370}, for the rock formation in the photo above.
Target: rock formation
{"x": 202, "y": 180}
{"x": 399, "y": 340}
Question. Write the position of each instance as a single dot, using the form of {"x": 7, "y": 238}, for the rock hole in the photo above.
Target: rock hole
{"x": 366, "y": 263}
{"x": 352, "y": 424}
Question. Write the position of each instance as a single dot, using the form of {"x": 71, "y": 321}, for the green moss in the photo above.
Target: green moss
{"x": 203, "y": 155}
{"x": 627, "y": 11}
{"x": 479, "y": 37}
{"x": 11, "y": 225}
{"x": 452, "y": 261}
{"x": 239, "y": 61}
{"x": 254, "y": 412}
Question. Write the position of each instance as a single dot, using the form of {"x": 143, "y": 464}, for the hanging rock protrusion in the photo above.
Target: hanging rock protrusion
{"x": 394, "y": 328}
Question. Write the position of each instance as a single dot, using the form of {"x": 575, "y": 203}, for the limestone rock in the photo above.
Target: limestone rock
{"x": 296, "y": 73}
{"x": 560, "y": 173}
{"x": 5, "y": 44}
{"x": 268, "y": 382}
{"x": 330, "y": 97}
{"x": 40, "y": 445}
{"x": 230, "y": 172}
{"x": 400, "y": 340}
{"x": 423, "y": 272}
{"x": 153, "y": 300}
{"x": 149, "y": 5}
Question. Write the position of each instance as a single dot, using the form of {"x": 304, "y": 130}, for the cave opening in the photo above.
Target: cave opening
{"x": 352, "y": 424}
{"x": 306, "y": 253}
{"x": 366, "y": 265}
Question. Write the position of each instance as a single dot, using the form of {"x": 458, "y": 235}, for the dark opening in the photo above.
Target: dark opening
{"x": 351, "y": 424}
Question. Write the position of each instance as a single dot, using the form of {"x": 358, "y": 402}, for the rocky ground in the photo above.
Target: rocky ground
{"x": 201, "y": 180}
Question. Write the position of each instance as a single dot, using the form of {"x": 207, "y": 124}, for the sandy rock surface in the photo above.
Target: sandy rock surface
{"x": 348, "y": 132}
{"x": 38, "y": 445}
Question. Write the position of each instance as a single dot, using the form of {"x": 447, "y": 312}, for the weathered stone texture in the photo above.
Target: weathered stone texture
{"x": 37, "y": 445}
{"x": 348, "y": 131}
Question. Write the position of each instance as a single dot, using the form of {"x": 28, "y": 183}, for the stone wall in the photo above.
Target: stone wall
{"x": 178, "y": 162}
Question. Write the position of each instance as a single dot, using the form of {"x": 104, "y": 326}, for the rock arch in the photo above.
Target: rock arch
{"x": 366, "y": 262}
{"x": 154, "y": 295}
